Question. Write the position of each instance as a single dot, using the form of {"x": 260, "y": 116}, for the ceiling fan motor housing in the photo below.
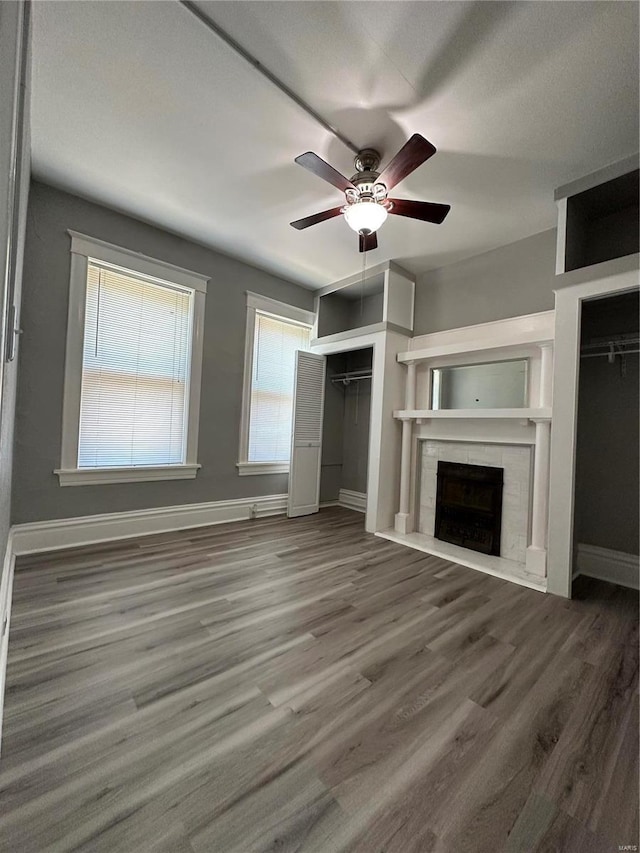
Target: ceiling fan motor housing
{"x": 367, "y": 160}
{"x": 366, "y": 178}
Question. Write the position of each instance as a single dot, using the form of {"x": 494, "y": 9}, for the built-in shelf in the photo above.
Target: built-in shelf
{"x": 381, "y": 299}
{"x": 494, "y": 414}
{"x": 598, "y": 217}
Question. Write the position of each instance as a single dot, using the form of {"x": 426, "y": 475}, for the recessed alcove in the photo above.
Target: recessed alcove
{"x": 358, "y": 305}
{"x": 598, "y": 217}
{"x": 374, "y": 300}
{"x": 603, "y": 222}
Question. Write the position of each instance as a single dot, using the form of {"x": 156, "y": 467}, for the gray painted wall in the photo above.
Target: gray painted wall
{"x": 355, "y": 453}
{"x": 506, "y": 282}
{"x": 355, "y": 427}
{"x": 615, "y": 235}
{"x": 365, "y": 312}
{"x": 595, "y": 242}
{"x": 494, "y": 385}
{"x": 14, "y": 187}
{"x": 607, "y": 459}
{"x": 333, "y": 314}
{"x": 339, "y": 314}
{"x": 36, "y": 493}
{"x": 9, "y": 27}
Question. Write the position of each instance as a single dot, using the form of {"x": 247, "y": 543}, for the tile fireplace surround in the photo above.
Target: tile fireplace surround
{"x": 516, "y": 460}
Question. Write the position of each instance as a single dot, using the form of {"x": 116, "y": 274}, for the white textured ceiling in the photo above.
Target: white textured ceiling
{"x": 137, "y": 105}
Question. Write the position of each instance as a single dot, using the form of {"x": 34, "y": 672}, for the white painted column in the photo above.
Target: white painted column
{"x": 561, "y": 236}
{"x": 536, "y": 560}
{"x": 403, "y": 519}
{"x": 541, "y": 484}
{"x": 546, "y": 375}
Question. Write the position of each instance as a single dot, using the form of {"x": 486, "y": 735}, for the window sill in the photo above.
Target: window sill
{"x": 96, "y": 476}
{"x": 246, "y": 469}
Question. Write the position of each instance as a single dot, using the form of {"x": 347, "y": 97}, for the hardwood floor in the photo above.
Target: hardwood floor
{"x": 302, "y": 685}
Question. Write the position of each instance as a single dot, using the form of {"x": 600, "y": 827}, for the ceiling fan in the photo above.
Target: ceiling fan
{"x": 366, "y": 194}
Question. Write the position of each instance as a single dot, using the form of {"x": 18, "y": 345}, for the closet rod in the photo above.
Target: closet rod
{"x": 611, "y": 348}
{"x": 351, "y": 376}
{"x": 608, "y": 354}
{"x": 622, "y": 341}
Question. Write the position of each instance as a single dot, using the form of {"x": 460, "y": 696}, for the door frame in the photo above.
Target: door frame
{"x": 375, "y": 341}
{"x": 566, "y": 369}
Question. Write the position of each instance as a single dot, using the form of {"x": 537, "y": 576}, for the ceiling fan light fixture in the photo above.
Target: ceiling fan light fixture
{"x": 365, "y": 216}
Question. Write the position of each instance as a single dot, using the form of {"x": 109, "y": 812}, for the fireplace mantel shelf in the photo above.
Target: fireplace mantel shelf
{"x": 495, "y": 414}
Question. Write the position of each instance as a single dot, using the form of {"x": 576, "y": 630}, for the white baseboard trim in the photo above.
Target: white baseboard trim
{"x": 6, "y": 585}
{"x": 39, "y": 536}
{"x": 608, "y": 565}
{"x": 353, "y": 500}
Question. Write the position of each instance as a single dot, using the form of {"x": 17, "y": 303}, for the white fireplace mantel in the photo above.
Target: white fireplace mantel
{"x": 529, "y": 425}
{"x": 529, "y": 329}
{"x": 471, "y": 414}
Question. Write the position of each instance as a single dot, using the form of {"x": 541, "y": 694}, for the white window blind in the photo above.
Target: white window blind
{"x": 135, "y": 371}
{"x": 274, "y": 349}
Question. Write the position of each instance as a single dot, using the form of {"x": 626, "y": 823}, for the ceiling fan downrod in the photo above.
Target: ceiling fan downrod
{"x": 367, "y": 160}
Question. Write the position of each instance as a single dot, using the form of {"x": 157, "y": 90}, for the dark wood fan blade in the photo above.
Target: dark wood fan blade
{"x": 316, "y": 217}
{"x": 412, "y": 154}
{"x": 368, "y": 242}
{"x": 323, "y": 170}
{"x": 428, "y": 211}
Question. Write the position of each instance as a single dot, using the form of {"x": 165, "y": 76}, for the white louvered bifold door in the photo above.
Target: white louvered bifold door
{"x": 306, "y": 437}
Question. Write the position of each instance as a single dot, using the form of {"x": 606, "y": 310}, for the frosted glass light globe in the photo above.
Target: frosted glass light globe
{"x": 365, "y": 216}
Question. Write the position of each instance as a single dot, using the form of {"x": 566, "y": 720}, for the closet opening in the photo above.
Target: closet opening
{"x": 606, "y": 527}
{"x": 345, "y": 435}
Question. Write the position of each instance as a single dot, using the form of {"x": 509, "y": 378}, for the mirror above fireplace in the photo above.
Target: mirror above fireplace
{"x": 491, "y": 385}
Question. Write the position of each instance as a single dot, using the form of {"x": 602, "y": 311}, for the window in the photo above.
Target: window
{"x": 274, "y": 332}
{"x": 132, "y": 376}
{"x": 274, "y": 352}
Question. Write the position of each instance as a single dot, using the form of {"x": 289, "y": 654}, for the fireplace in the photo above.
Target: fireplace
{"x": 469, "y": 506}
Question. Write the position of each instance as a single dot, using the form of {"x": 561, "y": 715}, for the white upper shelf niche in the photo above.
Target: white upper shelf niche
{"x": 381, "y": 299}
{"x": 598, "y": 217}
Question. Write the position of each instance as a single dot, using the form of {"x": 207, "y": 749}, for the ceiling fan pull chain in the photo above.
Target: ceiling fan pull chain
{"x": 364, "y": 267}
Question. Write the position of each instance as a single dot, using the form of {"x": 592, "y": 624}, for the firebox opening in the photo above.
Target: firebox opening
{"x": 469, "y": 506}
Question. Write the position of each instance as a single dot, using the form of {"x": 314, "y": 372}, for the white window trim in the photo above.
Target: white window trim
{"x": 83, "y": 248}
{"x": 256, "y": 302}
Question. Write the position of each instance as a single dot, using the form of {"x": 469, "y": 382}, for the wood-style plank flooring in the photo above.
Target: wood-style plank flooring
{"x": 304, "y": 686}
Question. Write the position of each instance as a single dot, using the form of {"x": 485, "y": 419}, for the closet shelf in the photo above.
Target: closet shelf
{"x": 493, "y": 414}
{"x": 621, "y": 345}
